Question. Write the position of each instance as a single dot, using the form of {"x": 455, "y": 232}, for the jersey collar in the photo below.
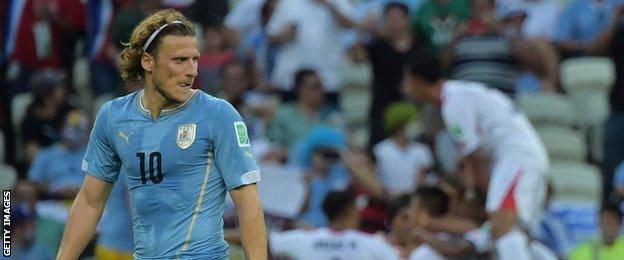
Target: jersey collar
{"x": 146, "y": 112}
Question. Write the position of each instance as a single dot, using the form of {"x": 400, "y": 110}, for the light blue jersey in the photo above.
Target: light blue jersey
{"x": 178, "y": 170}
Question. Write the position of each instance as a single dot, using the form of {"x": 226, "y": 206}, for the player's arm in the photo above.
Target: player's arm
{"x": 251, "y": 218}
{"x": 83, "y": 217}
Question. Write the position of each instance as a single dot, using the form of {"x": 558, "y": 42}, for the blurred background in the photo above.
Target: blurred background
{"x": 318, "y": 83}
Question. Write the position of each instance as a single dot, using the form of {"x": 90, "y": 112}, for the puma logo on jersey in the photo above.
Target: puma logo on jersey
{"x": 124, "y": 136}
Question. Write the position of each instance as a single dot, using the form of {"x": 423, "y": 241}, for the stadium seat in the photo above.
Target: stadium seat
{"x": 563, "y": 143}
{"x": 575, "y": 181}
{"x": 546, "y": 108}
{"x": 588, "y": 81}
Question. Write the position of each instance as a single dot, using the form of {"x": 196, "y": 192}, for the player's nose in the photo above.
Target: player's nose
{"x": 191, "y": 69}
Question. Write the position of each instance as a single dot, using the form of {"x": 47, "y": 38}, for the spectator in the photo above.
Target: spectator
{"x": 114, "y": 239}
{"x": 388, "y": 51}
{"x": 309, "y": 35}
{"x": 45, "y": 114}
{"x": 580, "y": 24}
{"x": 439, "y": 21}
{"x": 402, "y": 163}
{"x": 541, "y": 18}
{"x": 610, "y": 245}
{"x": 339, "y": 240}
{"x": 610, "y": 43}
{"x": 207, "y": 12}
{"x": 56, "y": 169}
{"x": 294, "y": 120}
{"x": 216, "y": 53}
{"x": 235, "y": 83}
{"x": 496, "y": 58}
{"x": 318, "y": 154}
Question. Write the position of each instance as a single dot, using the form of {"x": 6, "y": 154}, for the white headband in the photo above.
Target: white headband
{"x": 155, "y": 33}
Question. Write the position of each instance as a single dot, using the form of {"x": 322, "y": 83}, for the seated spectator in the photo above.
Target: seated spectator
{"x": 215, "y": 54}
{"x": 610, "y": 245}
{"x": 318, "y": 155}
{"x": 340, "y": 240}
{"x": 294, "y": 120}
{"x": 56, "y": 169}
{"x": 45, "y": 114}
{"x": 401, "y": 162}
{"x": 581, "y": 22}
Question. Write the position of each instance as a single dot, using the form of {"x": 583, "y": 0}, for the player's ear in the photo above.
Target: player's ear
{"x": 147, "y": 62}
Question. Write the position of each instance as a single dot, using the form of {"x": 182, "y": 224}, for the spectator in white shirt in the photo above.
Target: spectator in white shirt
{"x": 309, "y": 34}
{"x": 402, "y": 163}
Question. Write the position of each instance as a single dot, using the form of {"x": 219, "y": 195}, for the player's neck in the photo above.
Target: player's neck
{"x": 436, "y": 93}
{"x": 154, "y": 102}
{"x": 341, "y": 224}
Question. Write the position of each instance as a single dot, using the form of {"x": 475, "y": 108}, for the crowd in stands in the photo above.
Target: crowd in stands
{"x": 318, "y": 83}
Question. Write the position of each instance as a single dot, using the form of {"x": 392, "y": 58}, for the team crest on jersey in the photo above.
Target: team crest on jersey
{"x": 186, "y": 135}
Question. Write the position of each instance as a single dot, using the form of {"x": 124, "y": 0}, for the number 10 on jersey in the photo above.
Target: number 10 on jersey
{"x": 155, "y": 175}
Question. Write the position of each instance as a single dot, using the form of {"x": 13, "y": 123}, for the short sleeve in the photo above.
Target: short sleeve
{"x": 101, "y": 160}
{"x": 461, "y": 122}
{"x": 233, "y": 154}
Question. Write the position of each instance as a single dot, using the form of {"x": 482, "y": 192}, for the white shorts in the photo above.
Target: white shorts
{"x": 519, "y": 186}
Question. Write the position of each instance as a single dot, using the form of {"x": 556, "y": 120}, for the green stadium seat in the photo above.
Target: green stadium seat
{"x": 563, "y": 143}
{"x": 575, "y": 181}
{"x": 546, "y": 108}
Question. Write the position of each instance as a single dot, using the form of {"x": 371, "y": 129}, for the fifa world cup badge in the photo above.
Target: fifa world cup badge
{"x": 241, "y": 134}
{"x": 186, "y": 135}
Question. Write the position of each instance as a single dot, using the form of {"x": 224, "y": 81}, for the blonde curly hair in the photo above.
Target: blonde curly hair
{"x": 131, "y": 70}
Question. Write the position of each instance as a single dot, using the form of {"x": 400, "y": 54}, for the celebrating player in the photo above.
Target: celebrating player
{"x": 180, "y": 149}
{"x": 493, "y": 137}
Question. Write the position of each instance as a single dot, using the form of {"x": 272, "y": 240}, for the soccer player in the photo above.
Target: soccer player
{"x": 340, "y": 240}
{"x": 493, "y": 137}
{"x": 180, "y": 149}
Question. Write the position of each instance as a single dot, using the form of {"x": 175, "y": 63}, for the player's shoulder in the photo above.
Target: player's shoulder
{"x": 212, "y": 103}
{"x": 119, "y": 105}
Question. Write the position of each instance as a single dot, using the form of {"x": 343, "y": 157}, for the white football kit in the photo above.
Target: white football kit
{"x": 479, "y": 118}
{"x": 325, "y": 243}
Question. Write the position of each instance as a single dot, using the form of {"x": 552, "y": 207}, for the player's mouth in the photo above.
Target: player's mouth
{"x": 185, "y": 85}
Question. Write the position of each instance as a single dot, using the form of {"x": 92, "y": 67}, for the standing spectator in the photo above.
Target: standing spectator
{"x": 388, "y": 51}
{"x": 439, "y": 21}
{"x": 610, "y": 244}
{"x": 32, "y": 42}
{"x": 402, "y": 163}
{"x": 102, "y": 51}
{"x": 56, "y": 169}
{"x": 45, "y": 114}
{"x": 294, "y": 120}
{"x": 580, "y": 24}
{"x": 309, "y": 34}
{"x": 340, "y": 240}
